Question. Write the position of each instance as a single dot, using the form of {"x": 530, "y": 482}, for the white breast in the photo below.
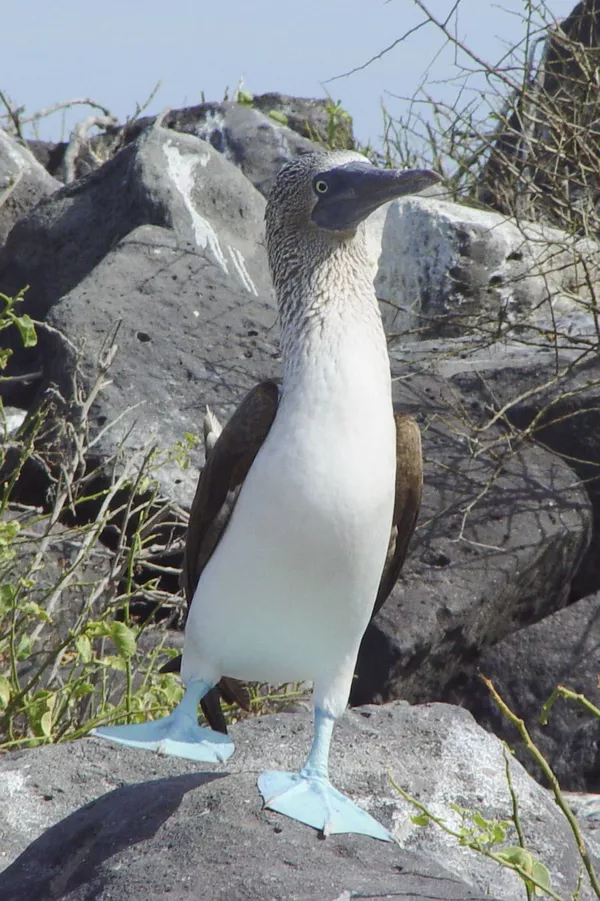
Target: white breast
{"x": 291, "y": 587}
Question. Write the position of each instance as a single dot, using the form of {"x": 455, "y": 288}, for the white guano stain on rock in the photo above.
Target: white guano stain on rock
{"x": 240, "y": 265}
{"x": 214, "y": 122}
{"x": 18, "y": 157}
{"x": 181, "y": 170}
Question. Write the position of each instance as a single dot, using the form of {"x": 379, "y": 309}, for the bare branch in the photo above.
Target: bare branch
{"x": 377, "y": 56}
{"x": 65, "y": 104}
{"x": 80, "y": 139}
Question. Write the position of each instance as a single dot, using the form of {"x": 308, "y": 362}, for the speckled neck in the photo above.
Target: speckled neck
{"x": 325, "y": 292}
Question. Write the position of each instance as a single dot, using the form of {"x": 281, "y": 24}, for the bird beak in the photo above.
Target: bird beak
{"x": 358, "y": 189}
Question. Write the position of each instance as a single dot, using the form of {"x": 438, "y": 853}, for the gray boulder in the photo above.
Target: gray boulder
{"x": 257, "y": 143}
{"x": 49, "y": 154}
{"x": 586, "y": 808}
{"x": 557, "y": 399}
{"x": 158, "y": 180}
{"x": 526, "y": 668}
{"x": 88, "y": 820}
{"x": 310, "y": 118}
{"x": 452, "y": 270}
{"x": 164, "y": 242}
{"x": 23, "y": 182}
{"x": 501, "y": 533}
{"x": 254, "y": 142}
{"x": 258, "y": 135}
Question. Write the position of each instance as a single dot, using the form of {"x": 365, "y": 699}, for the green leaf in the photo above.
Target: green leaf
{"x": 39, "y": 713}
{"x": 117, "y": 663}
{"x": 499, "y": 833}
{"x": 31, "y": 608}
{"x": 6, "y": 554}
{"x": 421, "y": 819}
{"x": 84, "y": 648}
{"x": 98, "y": 629}
{"x": 516, "y": 854}
{"x": 26, "y": 329}
{"x": 124, "y": 639}
{"x": 9, "y": 529}
{"x": 542, "y": 875}
{"x": 7, "y": 597}
{"x": 23, "y": 648}
{"x": 44, "y": 696}
{"x": 278, "y": 116}
{"x": 46, "y": 723}
{"x": 172, "y": 689}
{"x": 4, "y": 692}
{"x": 82, "y": 689}
{"x": 28, "y": 583}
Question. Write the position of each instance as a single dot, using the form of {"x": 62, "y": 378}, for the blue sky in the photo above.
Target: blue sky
{"x": 117, "y": 50}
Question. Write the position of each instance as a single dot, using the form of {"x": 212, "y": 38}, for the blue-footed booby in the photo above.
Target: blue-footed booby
{"x": 308, "y": 497}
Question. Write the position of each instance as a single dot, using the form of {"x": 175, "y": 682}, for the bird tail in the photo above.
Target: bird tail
{"x": 212, "y": 429}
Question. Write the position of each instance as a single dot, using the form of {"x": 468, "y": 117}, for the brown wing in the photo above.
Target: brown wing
{"x": 218, "y": 488}
{"x": 409, "y": 486}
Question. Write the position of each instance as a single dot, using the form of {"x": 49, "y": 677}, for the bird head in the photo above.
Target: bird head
{"x": 334, "y": 192}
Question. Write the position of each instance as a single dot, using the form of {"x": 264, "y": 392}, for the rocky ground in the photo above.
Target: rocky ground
{"x": 89, "y": 820}
{"x": 155, "y": 245}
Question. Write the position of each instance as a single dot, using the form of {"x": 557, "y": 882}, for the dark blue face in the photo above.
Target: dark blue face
{"x": 347, "y": 194}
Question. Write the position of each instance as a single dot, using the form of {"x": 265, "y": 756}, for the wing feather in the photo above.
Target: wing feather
{"x": 409, "y": 488}
{"x": 228, "y": 461}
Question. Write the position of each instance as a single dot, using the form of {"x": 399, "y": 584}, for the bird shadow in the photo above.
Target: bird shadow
{"x": 72, "y": 851}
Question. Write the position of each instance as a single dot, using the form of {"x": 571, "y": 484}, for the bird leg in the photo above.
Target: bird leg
{"x": 178, "y": 734}
{"x": 308, "y": 796}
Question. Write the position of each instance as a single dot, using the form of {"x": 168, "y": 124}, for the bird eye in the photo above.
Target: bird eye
{"x": 321, "y": 187}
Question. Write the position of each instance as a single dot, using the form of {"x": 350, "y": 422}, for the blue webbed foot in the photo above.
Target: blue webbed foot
{"x": 177, "y": 735}
{"x": 173, "y": 737}
{"x": 312, "y": 799}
